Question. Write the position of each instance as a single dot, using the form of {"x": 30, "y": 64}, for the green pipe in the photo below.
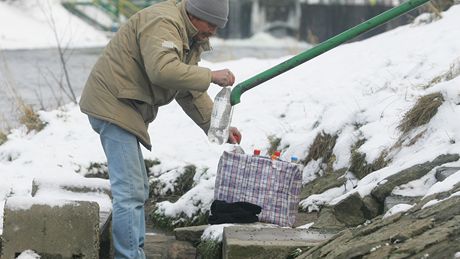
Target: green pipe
{"x": 322, "y": 48}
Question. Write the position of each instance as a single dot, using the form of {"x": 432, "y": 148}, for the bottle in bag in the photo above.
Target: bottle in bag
{"x": 221, "y": 117}
{"x": 276, "y": 155}
{"x": 237, "y": 149}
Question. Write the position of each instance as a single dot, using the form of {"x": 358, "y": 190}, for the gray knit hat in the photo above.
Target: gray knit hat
{"x": 212, "y": 11}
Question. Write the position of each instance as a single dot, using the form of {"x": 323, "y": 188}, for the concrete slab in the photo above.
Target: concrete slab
{"x": 160, "y": 246}
{"x": 53, "y": 229}
{"x": 250, "y": 242}
{"x": 86, "y": 189}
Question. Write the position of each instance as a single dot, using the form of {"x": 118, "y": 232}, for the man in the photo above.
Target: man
{"x": 149, "y": 62}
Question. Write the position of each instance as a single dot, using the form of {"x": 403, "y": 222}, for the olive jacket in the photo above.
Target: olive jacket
{"x": 150, "y": 61}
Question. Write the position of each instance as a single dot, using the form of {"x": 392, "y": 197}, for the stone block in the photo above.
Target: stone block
{"x": 253, "y": 242}
{"x": 82, "y": 189}
{"x": 53, "y": 229}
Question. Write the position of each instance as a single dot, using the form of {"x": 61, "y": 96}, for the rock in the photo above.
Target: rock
{"x": 328, "y": 221}
{"x": 351, "y": 211}
{"x": 432, "y": 231}
{"x": 415, "y": 172}
{"x": 323, "y": 183}
{"x": 393, "y": 200}
{"x": 371, "y": 207}
{"x": 348, "y": 211}
{"x": 303, "y": 218}
{"x": 443, "y": 172}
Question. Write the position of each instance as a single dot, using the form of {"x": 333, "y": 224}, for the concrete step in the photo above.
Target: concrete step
{"x": 190, "y": 234}
{"x": 81, "y": 189}
{"x": 160, "y": 246}
{"x": 254, "y": 242}
{"x": 77, "y": 185}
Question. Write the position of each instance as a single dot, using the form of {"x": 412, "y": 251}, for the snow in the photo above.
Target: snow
{"x": 436, "y": 201}
{"x": 306, "y": 226}
{"x": 28, "y": 254}
{"x": 214, "y": 232}
{"x": 358, "y": 90}
{"x": 417, "y": 187}
{"x": 398, "y": 208}
{"x": 445, "y": 185}
{"x": 25, "y": 203}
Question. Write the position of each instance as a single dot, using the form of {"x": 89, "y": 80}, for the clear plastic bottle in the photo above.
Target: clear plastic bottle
{"x": 221, "y": 117}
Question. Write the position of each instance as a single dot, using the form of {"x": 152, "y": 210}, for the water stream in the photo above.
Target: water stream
{"x": 36, "y": 76}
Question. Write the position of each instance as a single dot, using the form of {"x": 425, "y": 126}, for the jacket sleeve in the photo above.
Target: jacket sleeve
{"x": 162, "y": 52}
{"x": 198, "y": 106}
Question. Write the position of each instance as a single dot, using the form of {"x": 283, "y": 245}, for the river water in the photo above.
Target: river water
{"x": 36, "y": 77}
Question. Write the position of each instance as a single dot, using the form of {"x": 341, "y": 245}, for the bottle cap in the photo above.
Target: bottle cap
{"x": 294, "y": 159}
{"x": 256, "y": 152}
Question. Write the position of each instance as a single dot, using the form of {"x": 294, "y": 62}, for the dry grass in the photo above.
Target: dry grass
{"x": 359, "y": 165}
{"x": 3, "y": 137}
{"x": 422, "y": 112}
{"x": 451, "y": 73}
{"x": 321, "y": 148}
{"x": 435, "y": 7}
{"x": 31, "y": 119}
{"x": 28, "y": 116}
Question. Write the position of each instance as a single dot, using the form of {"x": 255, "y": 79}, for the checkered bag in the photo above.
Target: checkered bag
{"x": 274, "y": 185}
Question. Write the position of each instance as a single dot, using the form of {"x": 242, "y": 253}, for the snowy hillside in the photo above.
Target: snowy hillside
{"x": 44, "y": 24}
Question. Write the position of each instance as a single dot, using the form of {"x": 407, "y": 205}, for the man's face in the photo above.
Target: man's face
{"x": 205, "y": 29}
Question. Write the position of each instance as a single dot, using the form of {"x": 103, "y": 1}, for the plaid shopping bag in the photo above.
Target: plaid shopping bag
{"x": 274, "y": 185}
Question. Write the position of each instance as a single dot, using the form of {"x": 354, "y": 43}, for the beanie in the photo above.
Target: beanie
{"x": 212, "y": 11}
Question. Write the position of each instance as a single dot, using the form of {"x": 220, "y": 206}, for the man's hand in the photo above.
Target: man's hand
{"x": 234, "y": 136}
{"x": 222, "y": 77}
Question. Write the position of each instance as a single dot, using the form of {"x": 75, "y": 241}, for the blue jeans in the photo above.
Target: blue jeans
{"x": 129, "y": 185}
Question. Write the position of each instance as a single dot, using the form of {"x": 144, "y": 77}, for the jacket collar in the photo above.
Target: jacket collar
{"x": 191, "y": 29}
